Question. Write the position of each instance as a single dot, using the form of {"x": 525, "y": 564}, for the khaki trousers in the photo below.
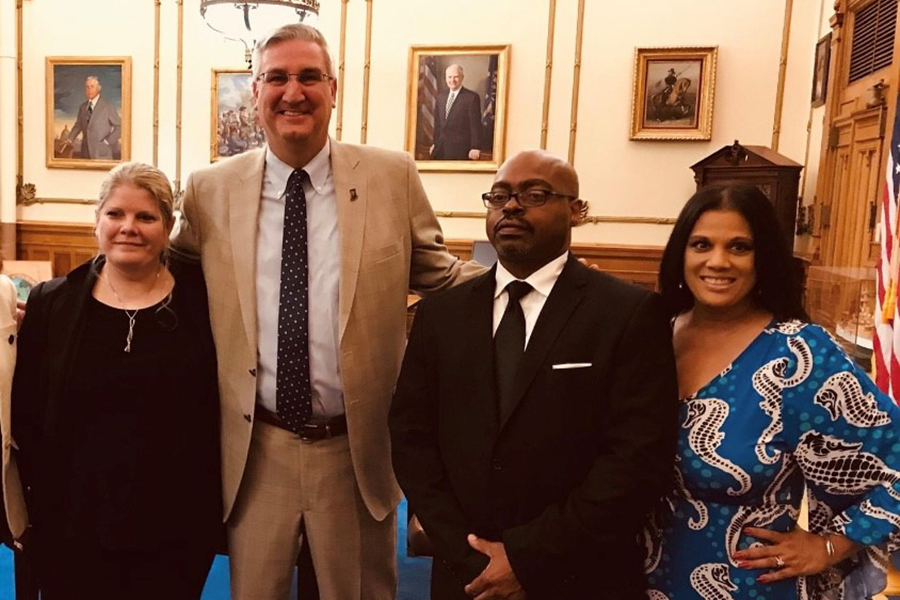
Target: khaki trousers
{"x": 287, "y": 483}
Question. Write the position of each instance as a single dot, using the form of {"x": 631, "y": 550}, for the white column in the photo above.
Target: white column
{"x": 8, "y": 115}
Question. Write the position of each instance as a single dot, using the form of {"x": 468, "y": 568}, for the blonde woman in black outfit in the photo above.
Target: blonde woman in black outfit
{"x": 115, "y": 411}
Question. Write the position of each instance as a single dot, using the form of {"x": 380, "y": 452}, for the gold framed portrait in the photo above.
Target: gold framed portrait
{"x": 88, "y": 102}
{"x": 456, "y": 107}
{"x": 673, "y": 93}
{"x": 234, "y": 128}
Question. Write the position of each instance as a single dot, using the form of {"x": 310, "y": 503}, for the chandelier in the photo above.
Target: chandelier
{"x": 247, "y": 21}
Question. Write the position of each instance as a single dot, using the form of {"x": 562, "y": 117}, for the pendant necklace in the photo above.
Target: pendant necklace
{"x": 132, "y": 315}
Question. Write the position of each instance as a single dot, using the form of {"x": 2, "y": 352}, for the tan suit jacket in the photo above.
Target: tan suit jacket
{"x": 13, "y": 498}
{"x": 390, "y": 243}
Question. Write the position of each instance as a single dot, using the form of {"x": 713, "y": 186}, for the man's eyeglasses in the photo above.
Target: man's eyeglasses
{"x": 304, "y": 78}
{"x": 527, "y": 198}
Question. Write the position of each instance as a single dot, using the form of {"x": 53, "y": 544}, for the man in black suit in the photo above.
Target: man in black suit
{"x": 533, "y": 436}
{"x": 457, "y": 120}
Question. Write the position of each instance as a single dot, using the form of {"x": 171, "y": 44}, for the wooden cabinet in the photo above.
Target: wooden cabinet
{"x": 777, "y": 176}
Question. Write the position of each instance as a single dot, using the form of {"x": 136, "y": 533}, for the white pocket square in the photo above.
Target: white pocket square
{"x": 572, "y": 366}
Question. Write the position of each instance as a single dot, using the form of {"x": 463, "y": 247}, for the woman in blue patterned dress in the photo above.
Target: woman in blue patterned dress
{"x": 770, "y": 406}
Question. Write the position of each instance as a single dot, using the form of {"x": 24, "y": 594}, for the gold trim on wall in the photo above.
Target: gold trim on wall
{"x": 156, "y": 43}
{"x": 364, "y": 128}
{"x": 20, "y": 116}
{"x": 782, "y": 74}
{"x": 179, "y": 76}
{"x": 594, "y": 220}
{"x": 576, "y": 81}
{"x": 548, "y": 72}
{"x": 342, "y": 51}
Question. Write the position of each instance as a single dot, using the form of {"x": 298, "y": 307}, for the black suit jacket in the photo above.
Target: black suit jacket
{"x": 565, "y": 483}
{"x": 49, "y": 340}
{"x": 460, "y": 131}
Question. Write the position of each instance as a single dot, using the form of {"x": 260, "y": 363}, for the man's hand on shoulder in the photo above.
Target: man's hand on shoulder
{"x": 497, "y": 581}
{"x": 589, "y": 265}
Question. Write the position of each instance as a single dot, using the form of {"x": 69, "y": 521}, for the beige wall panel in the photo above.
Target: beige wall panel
{"x": 620, "y": 177}
{"x": 83, "y": 28}
{"x": 648, "y": 178}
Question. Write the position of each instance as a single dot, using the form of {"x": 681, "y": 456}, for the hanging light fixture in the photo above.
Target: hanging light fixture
{"x": 248, "y": 20}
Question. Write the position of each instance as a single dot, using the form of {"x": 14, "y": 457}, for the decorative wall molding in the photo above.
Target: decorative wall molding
{"x": 20, "y": 99}
{"x": 461, "y": 214}
{"x": 65, "y": 245}
{"x": 364, "y": 128}
{"x": 342, "y": 52}
{"x": 637, "y": 264}
{"x": 156, "y": 48}
{"x": 782, "y": 74}
{"x": 576, "y": 81}
{"x": 548, "y": 72}
{"x": 179, "y": 104}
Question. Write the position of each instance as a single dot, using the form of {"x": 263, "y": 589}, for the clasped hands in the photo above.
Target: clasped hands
{"x": 792, "y": 554}
{"x": 497, "y": 581}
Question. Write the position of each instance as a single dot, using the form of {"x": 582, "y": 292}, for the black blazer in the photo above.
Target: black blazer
{"x": 48, "y": 341}
{"x": 460, "y": 131}
{"x": 567, "y": 480}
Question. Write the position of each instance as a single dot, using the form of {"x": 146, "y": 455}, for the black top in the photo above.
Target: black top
{"x": 125, "y": 451}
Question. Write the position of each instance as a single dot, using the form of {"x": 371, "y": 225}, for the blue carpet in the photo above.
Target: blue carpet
{"x": 413, "y": 573}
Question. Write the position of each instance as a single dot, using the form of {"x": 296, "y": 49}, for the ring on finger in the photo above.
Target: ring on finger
{"x": 779, "y": 562}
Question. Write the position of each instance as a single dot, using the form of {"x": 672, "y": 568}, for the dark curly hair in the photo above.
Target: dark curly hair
{"x": 777, "y": 284}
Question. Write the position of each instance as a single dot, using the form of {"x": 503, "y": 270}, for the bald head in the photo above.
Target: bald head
{"x": 533, "y": 226}
{"x": 554, "y": 170}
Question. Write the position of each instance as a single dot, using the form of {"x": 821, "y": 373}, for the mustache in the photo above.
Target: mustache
{"x": 512, "y": 220}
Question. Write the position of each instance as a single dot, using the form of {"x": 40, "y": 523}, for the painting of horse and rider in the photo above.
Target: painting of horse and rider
{"x": 673, "y": 93}
{"x": 672, "y": 101}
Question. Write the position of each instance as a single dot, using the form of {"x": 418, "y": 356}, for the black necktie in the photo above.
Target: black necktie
{"x": 293, "y": 397}
{"x": 90, "y": 110}
{"x": 509, "y": 346}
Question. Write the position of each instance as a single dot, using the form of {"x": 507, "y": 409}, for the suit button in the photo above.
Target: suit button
{"x": 248, "y": 418}
{"x": 253, "y": 372}
{"x": 12, "y": 339}
{"x": 497, "y": 464}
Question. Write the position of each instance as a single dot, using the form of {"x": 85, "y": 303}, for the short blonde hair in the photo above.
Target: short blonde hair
{"x": 145, "y": 177}
{"x": 286, "y": 33}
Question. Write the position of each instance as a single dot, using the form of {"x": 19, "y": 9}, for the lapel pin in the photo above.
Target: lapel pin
{"x": 353, "y": 195}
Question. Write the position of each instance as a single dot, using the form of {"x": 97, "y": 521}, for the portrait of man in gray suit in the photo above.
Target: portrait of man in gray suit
{"x": 99, "y": 125}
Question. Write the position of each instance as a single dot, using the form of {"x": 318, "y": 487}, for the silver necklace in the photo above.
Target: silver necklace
{"x": 132, "y": 315}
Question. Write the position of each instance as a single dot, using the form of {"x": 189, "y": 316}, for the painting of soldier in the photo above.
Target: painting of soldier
{"x": 87, "y": 112}
{"x": 234, "y": 126}
{"x": 673, "y": 93}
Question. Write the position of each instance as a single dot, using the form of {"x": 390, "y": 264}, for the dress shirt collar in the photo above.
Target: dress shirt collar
{"x": 93, "y": 101}
{"x": 318, "y": 169}
{"x": 541, "y": 280}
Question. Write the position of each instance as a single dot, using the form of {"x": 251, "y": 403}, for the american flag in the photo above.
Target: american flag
{"x": 887, "y": 328}
{"x": 428, "y": 86}
{"x": 490, "y": 102}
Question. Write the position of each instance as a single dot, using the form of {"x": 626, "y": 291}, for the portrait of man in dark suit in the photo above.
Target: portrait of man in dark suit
{"x": 533, "y": 424}
{"x": 98, "y": 123}
{"x": 458, "y": 129}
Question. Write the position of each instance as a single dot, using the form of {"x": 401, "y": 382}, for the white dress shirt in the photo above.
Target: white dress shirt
{"x": 532, "y": 303}
{"x": 324, "y": 260}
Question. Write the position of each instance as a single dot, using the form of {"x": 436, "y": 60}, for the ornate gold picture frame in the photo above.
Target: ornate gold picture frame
{"x": 88, "y": 101}
{"x": 456, "y": 107}
{"x": 233, "y": 125}
{"x": 673, "y": 95}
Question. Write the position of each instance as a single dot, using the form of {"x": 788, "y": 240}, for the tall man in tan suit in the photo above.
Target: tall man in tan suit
{"x": 308, "y": 248}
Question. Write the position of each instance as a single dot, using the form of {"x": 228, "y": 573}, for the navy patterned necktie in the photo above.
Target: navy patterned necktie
{"x": 293, "y": 397}
{"x": 90, "y": 110}
{"x": 509, "y": 346}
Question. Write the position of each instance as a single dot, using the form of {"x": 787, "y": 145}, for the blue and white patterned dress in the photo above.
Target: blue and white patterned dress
{"x": 792, "y": 411}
